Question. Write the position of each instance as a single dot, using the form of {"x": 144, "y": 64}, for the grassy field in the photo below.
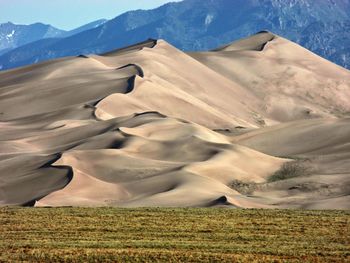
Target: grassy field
{"x": 173, "y": 235}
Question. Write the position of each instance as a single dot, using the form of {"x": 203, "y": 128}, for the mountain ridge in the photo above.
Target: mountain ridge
{"x": 193, "y": 25}
{"x": 13, "y": 35}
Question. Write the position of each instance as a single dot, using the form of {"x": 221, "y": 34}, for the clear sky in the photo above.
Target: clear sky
{"x": 69, "y": 14}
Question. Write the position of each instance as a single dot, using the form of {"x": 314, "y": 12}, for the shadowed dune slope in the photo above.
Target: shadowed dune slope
{"x": 149, "y": 125}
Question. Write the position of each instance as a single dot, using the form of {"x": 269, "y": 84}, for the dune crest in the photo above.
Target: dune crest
{"x": 149, "y": 125}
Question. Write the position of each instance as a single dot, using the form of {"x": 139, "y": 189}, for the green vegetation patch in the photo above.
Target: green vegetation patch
{"x": 173, "y": 235}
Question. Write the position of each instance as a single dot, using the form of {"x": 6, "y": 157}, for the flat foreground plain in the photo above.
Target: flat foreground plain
{"x": 173, "y": 235}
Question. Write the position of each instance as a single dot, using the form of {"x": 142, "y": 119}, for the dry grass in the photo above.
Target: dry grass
{"x": 173, "y": 235}
{"x": 291, "y": 170}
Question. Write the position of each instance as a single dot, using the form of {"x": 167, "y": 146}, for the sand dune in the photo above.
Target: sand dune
{"x": 149, "y": 125}
{"x": 291, "y": 82}
{"x": 322, "y": 147}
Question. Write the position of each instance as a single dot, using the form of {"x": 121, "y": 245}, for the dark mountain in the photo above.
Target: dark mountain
{"x": 12, "y": 36}
{"x": 323, "y": 26}
{"x": 83, "y": 28}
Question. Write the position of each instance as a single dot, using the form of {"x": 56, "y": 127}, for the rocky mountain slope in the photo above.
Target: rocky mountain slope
{"x": 13, "y": 36}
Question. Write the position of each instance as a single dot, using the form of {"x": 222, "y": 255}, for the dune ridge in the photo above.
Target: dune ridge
{"x": 149, "y": 125}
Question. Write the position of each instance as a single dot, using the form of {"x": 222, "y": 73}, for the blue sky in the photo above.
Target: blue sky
{"x": 68, "y": 14}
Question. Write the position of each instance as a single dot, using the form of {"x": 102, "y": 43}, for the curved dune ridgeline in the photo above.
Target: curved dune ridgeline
{"x": 261, "y": 122}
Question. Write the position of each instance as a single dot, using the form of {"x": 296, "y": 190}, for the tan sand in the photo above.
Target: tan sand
{"x": 291, "y": 82}
{"x": 149, "y": 125}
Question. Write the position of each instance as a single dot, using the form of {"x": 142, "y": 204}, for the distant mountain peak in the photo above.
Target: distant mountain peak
{"x": 7, "y": 23}
{"x": 15, "y": 35}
